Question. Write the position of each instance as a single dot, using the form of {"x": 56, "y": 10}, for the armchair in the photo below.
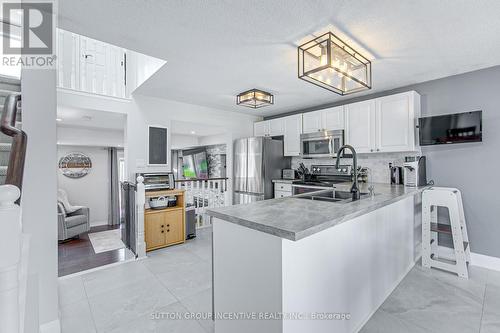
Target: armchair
{"x": 72, "y": 224}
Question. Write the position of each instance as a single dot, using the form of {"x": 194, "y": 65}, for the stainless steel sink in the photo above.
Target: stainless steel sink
{"x": 331, "y": 196}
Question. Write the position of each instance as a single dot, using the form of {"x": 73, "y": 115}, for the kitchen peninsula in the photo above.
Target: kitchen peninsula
{"x": 328, "y": 265}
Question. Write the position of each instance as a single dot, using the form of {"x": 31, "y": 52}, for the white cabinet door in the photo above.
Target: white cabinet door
{"x": 360, "y": 129}
{"x": 261, "y": 128}
{"x": 333, "y": 118}
{"x": 395, "y": 119}
{"x": 312, "y": 121}
{"x": 276, "y": 127}
{"x": 293, "y": 129}
{"x": 68, "y": 59}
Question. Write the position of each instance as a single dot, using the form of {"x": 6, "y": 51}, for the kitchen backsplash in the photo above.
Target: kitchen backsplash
{"x": 378, "y": 164}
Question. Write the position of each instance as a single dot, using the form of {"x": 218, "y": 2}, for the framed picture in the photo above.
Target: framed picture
{"x": 157, "y": 145}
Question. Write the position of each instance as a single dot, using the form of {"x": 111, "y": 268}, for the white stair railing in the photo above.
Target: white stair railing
{"x": 10, "y": 260}
{"x": 203, "y": 194}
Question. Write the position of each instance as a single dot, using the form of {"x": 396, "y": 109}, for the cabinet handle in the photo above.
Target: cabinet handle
{"x": 371, "y": 150}
{"x": 162, "y": 231}
{"x": 168, "y": 225}
{"x": 168, "y": 230}
{"x": 378, "y": 149}
{"x": 162, "y": 225}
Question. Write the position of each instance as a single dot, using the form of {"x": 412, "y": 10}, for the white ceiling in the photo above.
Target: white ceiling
{"x": 216, "y": 49}
{"x": 86, "y": 118}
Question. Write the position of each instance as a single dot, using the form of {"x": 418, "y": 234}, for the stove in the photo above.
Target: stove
{"x": 322, "y": 177}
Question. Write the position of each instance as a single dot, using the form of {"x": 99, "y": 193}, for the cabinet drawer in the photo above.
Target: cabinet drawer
{"x": 283, "y": 187}
{"x": 282, "y": 194}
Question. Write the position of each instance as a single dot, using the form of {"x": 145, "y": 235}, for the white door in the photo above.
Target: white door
{"x": 395, "y": 123}
{"x": 333, "y": 118}
{"x": 276, "y": 127}
{"x": 68, "y": 59}
{"x": 312, "y": 121}
{"x": 261, "y": 128}
{"x": 360, "y": 126}
{"x": 293, "y": 129}
{"x": 115, "y": 71}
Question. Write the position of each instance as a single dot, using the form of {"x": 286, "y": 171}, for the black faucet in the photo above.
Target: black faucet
{"x": 354, "y": 188}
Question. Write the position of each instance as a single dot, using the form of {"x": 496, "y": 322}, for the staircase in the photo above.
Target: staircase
{"x": 7, "y": 86}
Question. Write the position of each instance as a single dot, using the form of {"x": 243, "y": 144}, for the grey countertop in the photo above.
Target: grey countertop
{"x": 287, "y": 181}
{"x": 294, "y": 218}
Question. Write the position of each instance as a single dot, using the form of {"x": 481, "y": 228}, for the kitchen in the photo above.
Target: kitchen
{"x": 334, "y": 171}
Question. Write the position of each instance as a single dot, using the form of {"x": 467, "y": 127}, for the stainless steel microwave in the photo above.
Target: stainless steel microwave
{"x": 321, "y": 144}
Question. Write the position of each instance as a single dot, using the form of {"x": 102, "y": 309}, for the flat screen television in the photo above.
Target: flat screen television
{"x": 451, "y": 128}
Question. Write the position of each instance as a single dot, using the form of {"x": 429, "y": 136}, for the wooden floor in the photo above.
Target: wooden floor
{"x": 78, "y": 254}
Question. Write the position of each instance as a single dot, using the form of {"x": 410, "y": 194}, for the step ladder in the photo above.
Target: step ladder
{"x": 450, "y": 198}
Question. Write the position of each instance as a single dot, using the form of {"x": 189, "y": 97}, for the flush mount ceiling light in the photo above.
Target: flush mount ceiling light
{"x": 254, "y": 98}
{"x": 328, "y": 62}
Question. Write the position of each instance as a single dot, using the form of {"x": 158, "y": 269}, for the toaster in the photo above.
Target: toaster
{"x": 289, "y": 174}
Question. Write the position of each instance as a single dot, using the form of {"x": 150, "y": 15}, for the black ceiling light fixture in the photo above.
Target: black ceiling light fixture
{"x": 254, "y": 98}
{"x": 330, "y": 63}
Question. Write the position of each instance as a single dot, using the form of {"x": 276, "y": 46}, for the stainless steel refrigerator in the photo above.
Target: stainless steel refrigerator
{"x": 257, "y": 161}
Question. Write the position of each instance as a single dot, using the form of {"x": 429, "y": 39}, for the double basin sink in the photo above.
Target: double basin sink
{"x": 331, "y": 196}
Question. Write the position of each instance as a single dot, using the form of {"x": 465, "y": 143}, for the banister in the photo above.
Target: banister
{"x": 15, "y": 169}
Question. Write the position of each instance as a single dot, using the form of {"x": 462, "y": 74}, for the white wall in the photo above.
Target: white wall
{"x": 39, "y": 198}
{"x": 180, "y": 141}
{"x": 143, "y": 111}
{"x": 92, "y": 190}
{"x": 77, "y": 136}
{"x": 213, "y": 139}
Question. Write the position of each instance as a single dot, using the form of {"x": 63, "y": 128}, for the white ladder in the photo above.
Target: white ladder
{"x": 450, "y": 198}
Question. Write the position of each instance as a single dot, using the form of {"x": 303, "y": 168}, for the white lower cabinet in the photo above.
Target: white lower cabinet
{"x": 282, "y": 190}
{"x": 291, "y": 137}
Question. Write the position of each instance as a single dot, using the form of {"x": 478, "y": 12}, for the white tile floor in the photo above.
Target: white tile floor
{"x": 177, "y": 280}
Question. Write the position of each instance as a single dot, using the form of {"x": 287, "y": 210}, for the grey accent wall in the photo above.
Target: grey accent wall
{"x": 474, "y": 168}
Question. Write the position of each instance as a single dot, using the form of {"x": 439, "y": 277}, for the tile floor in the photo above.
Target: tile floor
{"x": 177, "y": 280}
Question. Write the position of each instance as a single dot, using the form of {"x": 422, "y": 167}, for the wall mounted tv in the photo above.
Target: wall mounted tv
{"x": 451, "y": 128}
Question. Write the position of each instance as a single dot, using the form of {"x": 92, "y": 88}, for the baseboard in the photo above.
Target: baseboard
{"x": 51, "y": 327}
{"x": 98, "y": 223}
{"x": 479, "y": 260}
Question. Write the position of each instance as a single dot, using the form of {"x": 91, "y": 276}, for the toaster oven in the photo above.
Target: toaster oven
{"x": 155, "y": 181}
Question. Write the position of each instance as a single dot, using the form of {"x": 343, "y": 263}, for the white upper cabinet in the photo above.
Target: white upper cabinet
{"x": 396, "y": 122}
{"x": 327, "y": 119}
{"x": 386, "y": 124}
{"x": 360, "y": 126}
{"x": 89, "y": 65}
{"x": 312, "y": 121}
{"x": 276, "y": 127}
{"x": 293, "y": 129}
{"x": 333, "y": 118}
{"x": 261, "y": 128}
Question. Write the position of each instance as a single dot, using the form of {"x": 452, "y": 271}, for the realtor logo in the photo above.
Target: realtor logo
{"x": 36, "y": 27}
